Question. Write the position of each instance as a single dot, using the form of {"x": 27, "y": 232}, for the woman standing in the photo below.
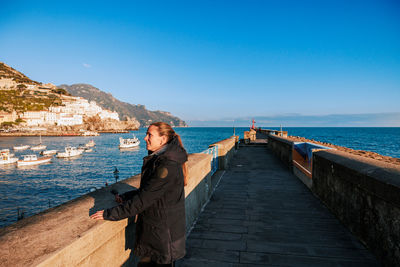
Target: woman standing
{"x": 160, "y": 200}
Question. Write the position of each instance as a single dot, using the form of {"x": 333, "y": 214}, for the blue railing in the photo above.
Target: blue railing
{"x": 213, "y": 151}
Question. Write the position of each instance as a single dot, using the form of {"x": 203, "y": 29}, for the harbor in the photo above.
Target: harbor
{"x": 252, "y": 209}
{"x": 35, "y": 188}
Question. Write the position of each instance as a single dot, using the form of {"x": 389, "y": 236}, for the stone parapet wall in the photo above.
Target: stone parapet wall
{"x": 282, "y": 148}
{"x": 226, "y": 150}
{"x": 66, "y": 236}
{"x": 365, "y": 195}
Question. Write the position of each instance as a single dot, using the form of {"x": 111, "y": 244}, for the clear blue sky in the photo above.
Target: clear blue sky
{"x": 215, "y": 60}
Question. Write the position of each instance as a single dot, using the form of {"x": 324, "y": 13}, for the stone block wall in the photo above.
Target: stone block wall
{"x": 365, "y": 195}
{"x": 226, "y": 150}
{"x": 282, "y": 148}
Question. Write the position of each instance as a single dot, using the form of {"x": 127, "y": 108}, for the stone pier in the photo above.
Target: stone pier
{"x": 262, "y": 215}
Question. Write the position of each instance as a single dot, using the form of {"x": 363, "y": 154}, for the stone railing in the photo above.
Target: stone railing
{"x": 282, "y": 148}
{"x": 363, "y": 193}
{"x": 226, "y": 149}
{"x": 66, "y": 236}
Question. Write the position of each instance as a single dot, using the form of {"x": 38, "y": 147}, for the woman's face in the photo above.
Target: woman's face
{"x": 153, "y": 139}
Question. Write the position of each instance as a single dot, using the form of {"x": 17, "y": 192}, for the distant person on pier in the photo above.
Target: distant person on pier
{"x": 159, "y": 202}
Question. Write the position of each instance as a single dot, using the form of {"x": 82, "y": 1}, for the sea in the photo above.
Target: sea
{"x": 32, "y": 189}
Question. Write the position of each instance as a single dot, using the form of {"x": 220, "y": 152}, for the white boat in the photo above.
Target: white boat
{"x": 39, "y": 146}
{"x": 21, "y": 147}
{"x": 48, "y": 152}
{"x": 129, "y": 142}
{"x": 90, "y": 133}
{"x": 70, "y": 151}
{"x": 6, "y": 157}
{"x": 91, "y": 143}
{"x": 32, "y": 160}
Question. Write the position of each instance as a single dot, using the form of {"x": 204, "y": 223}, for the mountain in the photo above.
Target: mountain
{"x": 107, "y": 101}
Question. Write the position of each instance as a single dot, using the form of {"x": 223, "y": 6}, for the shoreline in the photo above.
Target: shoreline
{"x": 61, "y": 134}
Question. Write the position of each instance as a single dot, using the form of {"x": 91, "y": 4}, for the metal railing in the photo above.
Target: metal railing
{"x": 213, "y": 151}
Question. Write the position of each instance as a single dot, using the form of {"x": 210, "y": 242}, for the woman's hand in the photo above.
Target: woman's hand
{"x": 118, "y": 199}
{"x": 98, "y": 215}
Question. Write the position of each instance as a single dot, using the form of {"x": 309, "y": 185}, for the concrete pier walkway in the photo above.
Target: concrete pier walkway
{"x": 262, "y": 215}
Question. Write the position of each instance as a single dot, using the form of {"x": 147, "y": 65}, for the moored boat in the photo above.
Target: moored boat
{"x": 90, "y": 133}
{"x": 128, "y": 142}
{"x": 48, "y": 152}
{"x": 21, "y": 147}
{"x": 70, "y": 151}
{"x": 91, "y": 143}
{"x": 6, "y": 157}
{"x": 32, "y": 160}
{"x": 40, "y": 146}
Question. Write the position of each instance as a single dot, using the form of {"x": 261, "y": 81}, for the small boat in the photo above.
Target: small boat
{"x": 39, "y": 146}
{"x": 48, "y": 152}
{"x": 91, "y": 143}
{"x": 90, "y": 133}
{"x": 129, "y": 142}
{"x": 84, "y": 148}
{"x": 32, "y": 160}
{"x": 6, "y": 157}
{"x": 21, "y": 147}
{"x": 70, "y": 151}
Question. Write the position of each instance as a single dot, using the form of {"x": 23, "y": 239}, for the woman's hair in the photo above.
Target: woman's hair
{"x": 164, "y": 129}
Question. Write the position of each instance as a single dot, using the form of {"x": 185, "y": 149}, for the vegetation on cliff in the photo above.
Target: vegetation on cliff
{"x": 7, "y": 72}
{"x": 22, "y": 100}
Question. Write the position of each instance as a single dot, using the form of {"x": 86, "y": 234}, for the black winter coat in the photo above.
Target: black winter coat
{"x": 160, "y": 205}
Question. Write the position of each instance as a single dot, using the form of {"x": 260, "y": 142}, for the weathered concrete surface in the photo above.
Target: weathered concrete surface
{"x": 365, "y": 195}
{"x": 226, "y": 149}
{"x": 66, "y": 236}
{"x": 262, "y": 215}
{"x": 282, "y": 148}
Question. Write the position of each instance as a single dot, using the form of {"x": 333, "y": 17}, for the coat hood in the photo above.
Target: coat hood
{"x": 175, "y": 152}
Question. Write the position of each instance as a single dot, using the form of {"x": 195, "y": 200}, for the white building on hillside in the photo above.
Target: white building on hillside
{"x": 81, "y": 106}
{"x": 34, "y": 118}
{"x": 71, "y": 113}
{"x": 106, "y": 114}
{"x": 70, "y": 119}
{"x": 8, "y": 117}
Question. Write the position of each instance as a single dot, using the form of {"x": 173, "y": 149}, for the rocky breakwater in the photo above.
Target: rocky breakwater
{"x": 367, "y": 154}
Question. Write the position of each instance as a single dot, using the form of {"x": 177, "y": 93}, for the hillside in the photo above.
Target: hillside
{"x": 6, "y": 72}
{"x": 19, "y": 93}
{"x": 107, "y": 101}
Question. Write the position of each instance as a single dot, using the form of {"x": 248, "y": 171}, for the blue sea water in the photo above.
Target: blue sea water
{"x": 382, "y": 140}
{"x": 35, "y": 188}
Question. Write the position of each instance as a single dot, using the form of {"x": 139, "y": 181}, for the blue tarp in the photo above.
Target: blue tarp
{"x": 305, "y": 149}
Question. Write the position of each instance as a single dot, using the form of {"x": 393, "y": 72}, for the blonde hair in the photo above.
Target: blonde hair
{"x": 164, "y": 129}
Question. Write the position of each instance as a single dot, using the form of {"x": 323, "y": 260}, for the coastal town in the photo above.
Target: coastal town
{"x": 30, "y": 108}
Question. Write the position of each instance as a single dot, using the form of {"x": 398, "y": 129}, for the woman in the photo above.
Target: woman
{"x": 160, "y": 200}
